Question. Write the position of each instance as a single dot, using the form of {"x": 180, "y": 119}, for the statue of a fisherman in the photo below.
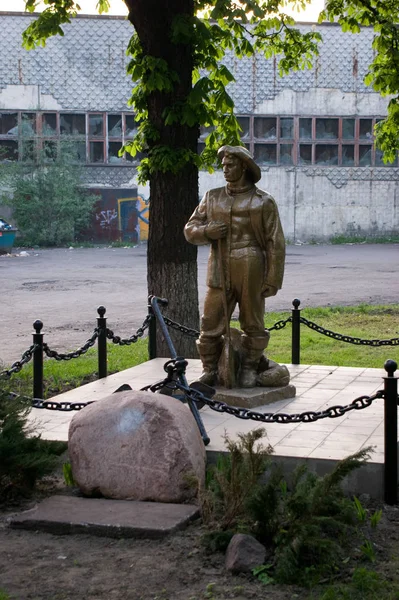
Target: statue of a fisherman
{"x": 246, "y": 263}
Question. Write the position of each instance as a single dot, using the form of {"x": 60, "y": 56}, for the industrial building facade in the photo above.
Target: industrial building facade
{"x": 311, "y": 132}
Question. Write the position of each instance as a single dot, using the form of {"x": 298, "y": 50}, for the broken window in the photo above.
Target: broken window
{"x": 326, "y": 154}
{"x": 115, "y": 126}
{"x": 244, "y": 124}
{"x": 8, "y": 150}
{"x": 305, "y": 154}
{"x": 348, "y": 129}
{"x": 365, "y": 129}
{"x": 8, "y": 123}
{"x": 96, "y": 126}
{"x": 49, "y": 124}
{"x": 265, "y": 128}
{"x": 131, "y": 127}
{"x": 305, "y": 128}
{"x": 327, "y": 129}
{"x": 96, "y": 152}
{"x": 365, "y": 155}
{"x": 286, "y": 157}
{"x": 28, "y": 124}
{"x": 266, "y": 154}
{"x": 348, "y": 155}
{"x": 72, "y": 124}
{"x": 286, "y": 128}
{"x": 113, "y": 152}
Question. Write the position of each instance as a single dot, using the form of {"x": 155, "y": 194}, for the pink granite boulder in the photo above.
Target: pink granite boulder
{"x": 139, "y": 446}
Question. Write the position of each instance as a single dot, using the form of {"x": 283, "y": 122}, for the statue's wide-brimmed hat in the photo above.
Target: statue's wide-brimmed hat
{"x": 242, "y": 153}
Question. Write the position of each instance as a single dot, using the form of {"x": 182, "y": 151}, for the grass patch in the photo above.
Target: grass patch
{"x": 363, "y": 321}
{"x": 60, "y": 376}
{"x": 359, "y": 239}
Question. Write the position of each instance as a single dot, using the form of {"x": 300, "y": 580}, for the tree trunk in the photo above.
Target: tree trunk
{"x": 171, "y": 261}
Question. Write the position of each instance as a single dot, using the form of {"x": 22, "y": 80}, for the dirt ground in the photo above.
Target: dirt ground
{"x": 42, "y": 566}
{"x": 63, "y": 288}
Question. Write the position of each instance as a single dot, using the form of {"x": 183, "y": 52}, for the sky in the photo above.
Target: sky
{"x": 118, "y": 7}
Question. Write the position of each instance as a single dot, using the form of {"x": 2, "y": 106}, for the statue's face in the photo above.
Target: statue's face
{"x": 233, "y": 168}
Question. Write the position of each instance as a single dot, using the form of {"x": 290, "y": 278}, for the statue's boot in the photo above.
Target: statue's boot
{"x": 209, "y": 351}
{"x": 252, "y": 351}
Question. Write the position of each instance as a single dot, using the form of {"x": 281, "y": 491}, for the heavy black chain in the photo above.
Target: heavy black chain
{"x": 347, "y": 338}
{"x": 280, "y": 324}
{"x": 195, "y": 334}
{"x": 17, "y": 366}
{"x": 182, "y": 328}
{"x": 62, "y": 406}
{"x": 76, "y": 353}
{"x": 116, "y": 339}
{"x": 243, "y": 413}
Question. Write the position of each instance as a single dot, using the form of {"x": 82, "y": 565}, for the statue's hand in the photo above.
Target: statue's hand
{"x": 269, "y": 290}
{"x": 216, "y": 230}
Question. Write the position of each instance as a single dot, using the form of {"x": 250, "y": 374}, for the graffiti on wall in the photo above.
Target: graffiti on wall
{"x": 120, "y": 214}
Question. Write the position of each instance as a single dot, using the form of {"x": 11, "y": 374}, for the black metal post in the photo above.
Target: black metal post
{"x": 390, "y": 434}
{"x": 38, "y": 360}
{"x": 102, "y": 342}
{"x": 296, "y": 333}
{"x": 152, "y": 332}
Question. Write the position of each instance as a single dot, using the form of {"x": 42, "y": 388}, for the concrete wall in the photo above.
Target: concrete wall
{"x": 315, "y": 208}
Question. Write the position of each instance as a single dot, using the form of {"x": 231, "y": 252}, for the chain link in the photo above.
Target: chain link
{"x": 280, "y": 325}
{"x": 17, "y": 366}
{"x": 182, "y": 328}
{"x": 347, "y": 338}
{"x": 69, "y": 355}
{"x": 116, "y": 339}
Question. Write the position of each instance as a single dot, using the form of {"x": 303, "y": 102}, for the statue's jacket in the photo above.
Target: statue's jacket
{"x": 216, "y": 205}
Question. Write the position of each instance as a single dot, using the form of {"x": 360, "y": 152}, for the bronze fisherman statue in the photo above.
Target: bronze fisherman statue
{"x": 246, "y": 263}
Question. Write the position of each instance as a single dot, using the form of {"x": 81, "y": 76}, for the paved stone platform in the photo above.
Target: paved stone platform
{"x": 320, "y": 444}
{"x": 107, "y": 518}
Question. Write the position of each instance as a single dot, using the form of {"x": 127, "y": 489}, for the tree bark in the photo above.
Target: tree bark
{"x": 171, "y": 261}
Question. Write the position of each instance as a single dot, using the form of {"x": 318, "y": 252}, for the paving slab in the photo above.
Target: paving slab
{"x": 107, "y": 518}
{"x": 254, "y": 397}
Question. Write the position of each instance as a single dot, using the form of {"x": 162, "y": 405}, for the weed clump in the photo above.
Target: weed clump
{"x": 24, "y": 456}
{"x": 306, "y": 524}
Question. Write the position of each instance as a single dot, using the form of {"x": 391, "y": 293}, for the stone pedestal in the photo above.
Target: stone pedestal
{"x": 253, "y": 397}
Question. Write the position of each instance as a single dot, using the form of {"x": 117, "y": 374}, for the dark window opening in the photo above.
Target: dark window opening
{"x": 305, "y": 154}
{"x": 49, "y": 124}
{"x": 348, "y": 155}
{"x": 131, "y": 126}
{"x": 286, "y": 157}
{"x": 327, "y": 129}
{"x": 244, "y": 124}
{"x": 365, "y": 129}
{"x": 115, "y": 125}
{"x": 72, "y": 124}
{"x": 96, "y": 152}
{"x": 305, "y": 128}
{"x": 113, "y": 152}
{"x": 96, "y": 126}
{"x": 286, "y": 128}
{"x": 348, "y": 129}
{"x": 9, "y": 123}
{"x": 265, "y": 128}
{"x": 365, "y": 155}
{"x": 266, "y": 154}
